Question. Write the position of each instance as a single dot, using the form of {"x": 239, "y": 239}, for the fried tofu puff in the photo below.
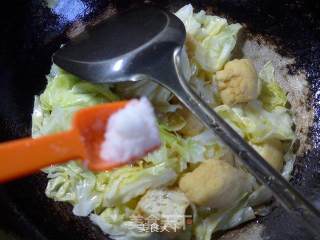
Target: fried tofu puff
{"x": 238, "y": 82}
{"x": 272, "y": 152}
{"x": 215, "y": 184}
{"x": 163, "y": 204}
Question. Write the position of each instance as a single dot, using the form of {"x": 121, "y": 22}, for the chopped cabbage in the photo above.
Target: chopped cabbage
{"x": 64, "y": 95}
{"x": 66, "y": 90}
{"x": 118, "y": 224}
{"x": 207, "y": 91}
{"x": 215, "y": 50}
{"x": 263, "y": 125}
{"x": 225, "y": 219}
{"x": 72, "y": 183}
{"x": 187, "y": 17}
{"x": 272, "y": 95}
{"x": 262, "y": 194}
{"x": 232, "y": 119}
{"x": 129, "y": 182}
{"x": 214, "y": 148}
{"x": 213, "y": 38}
{"x": 256, "y": 124}
{"x": 177, "y": 151}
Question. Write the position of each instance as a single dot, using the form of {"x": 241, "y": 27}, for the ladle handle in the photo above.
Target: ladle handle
{"x": 289, "y": 198}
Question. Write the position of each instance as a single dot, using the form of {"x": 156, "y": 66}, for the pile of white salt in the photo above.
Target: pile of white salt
{"x": 131, "y": 133}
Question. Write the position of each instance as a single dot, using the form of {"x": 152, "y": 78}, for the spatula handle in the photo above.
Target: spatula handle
{"x": 25, "y": 156}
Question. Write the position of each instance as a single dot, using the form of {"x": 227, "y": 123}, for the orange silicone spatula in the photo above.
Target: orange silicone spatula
{"x": 25, "y": 156}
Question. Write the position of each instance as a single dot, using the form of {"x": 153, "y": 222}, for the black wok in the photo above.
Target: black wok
{"x": 29, "y": 34}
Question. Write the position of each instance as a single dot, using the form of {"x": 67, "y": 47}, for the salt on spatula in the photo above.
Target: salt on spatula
{"x": 133, "y": 134}
{"x": 130, "y": 133}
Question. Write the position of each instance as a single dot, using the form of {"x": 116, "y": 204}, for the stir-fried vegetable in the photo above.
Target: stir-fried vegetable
{"x": 193, "y": 173}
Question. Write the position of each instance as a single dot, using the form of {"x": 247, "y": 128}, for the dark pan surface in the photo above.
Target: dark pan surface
{"x": 30, "y": 33}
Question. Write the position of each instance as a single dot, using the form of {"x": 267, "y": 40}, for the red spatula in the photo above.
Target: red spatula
{"x": 25, "y": 156}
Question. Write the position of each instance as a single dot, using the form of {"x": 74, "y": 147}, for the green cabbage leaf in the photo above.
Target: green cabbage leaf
{"x": 256, "y": 124}
{"x": 272, "y": 95}
{"x": 213, "y": 38}
{"x": 176, "y": 151}
{"x": 224, "y": 219}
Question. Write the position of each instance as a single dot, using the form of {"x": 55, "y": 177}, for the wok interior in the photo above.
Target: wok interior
{"x": 280, "y": 30}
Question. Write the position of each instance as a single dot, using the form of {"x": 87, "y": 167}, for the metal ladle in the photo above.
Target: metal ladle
{"x": 147, "y": 43}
